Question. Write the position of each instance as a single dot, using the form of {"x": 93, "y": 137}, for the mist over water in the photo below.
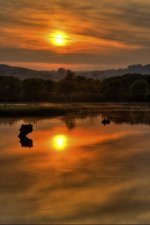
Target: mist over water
{"x": 77, "y": 170}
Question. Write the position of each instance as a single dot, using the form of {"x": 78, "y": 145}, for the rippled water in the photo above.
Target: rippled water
{"x": 78, "y": 170}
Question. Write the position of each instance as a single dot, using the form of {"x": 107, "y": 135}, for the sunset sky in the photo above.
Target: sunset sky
{"x": 97, "y": 34}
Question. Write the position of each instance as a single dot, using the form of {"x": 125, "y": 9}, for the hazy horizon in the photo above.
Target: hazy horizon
{"x": 47, "y": 67}
{"x": 55, "y": 68}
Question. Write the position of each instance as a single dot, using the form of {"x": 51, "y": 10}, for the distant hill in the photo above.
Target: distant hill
{"x": 24, "y": 73}
{"x": 132, "y": 69}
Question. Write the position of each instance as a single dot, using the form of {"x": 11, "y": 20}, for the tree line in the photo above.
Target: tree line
{"x": 126, "y": 88}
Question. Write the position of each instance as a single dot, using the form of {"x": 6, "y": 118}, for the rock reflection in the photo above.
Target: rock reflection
{"x": 106, "y": 121}
{"x": 24, "y": 140}
{"x": 69, "y": 121}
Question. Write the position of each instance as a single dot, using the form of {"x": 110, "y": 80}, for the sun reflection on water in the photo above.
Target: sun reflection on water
{"x": 60, "y": 142}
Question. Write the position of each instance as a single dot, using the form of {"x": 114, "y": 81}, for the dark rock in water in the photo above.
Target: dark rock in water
{"x": 106, "y": 122}
{"x": 26, "y": 142}
{"x": 25, "y": 129}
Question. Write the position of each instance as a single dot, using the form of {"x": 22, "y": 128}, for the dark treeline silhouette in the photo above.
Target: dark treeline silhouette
{"x": 126, "y": 88}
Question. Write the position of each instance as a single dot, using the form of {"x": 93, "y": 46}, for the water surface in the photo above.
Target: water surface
{"x": 78, "y": 170}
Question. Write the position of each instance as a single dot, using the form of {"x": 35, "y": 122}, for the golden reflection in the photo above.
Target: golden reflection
{"x": 60, "y": 142}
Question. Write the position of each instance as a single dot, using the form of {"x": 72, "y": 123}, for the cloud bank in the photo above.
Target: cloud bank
{"x": 102, "y": 33}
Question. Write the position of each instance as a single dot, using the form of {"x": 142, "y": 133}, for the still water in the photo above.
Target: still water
{"x": 76, "y": 171}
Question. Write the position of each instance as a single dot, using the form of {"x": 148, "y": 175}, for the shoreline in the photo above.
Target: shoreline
{"x": 48, "y": 109}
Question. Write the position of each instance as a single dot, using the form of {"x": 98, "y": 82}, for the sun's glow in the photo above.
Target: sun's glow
{"x": 59, "y": 38}
{"x": 60, "y": 142}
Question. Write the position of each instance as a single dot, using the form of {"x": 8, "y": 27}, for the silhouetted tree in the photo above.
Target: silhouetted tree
{"x": 62, "y": 71}
{"x": 49, "y": 86}
{"x": 66, "y": 87}
{"x": 33, "y": 90}
{"x": 129, "y": 87}
{"x": 69, "y": 75}
{"x": 9, "y": 89}
{"x": 140, "y": 90}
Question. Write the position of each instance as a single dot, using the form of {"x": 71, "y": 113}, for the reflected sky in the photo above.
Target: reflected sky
{"x": 88, "y": 174}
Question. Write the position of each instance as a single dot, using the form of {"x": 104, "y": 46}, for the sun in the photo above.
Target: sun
{"x": 59, "y": 38}
{"x": 59, "y": 142}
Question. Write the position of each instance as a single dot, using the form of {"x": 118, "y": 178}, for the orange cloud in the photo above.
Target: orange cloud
{"x": 94, "y": 27}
